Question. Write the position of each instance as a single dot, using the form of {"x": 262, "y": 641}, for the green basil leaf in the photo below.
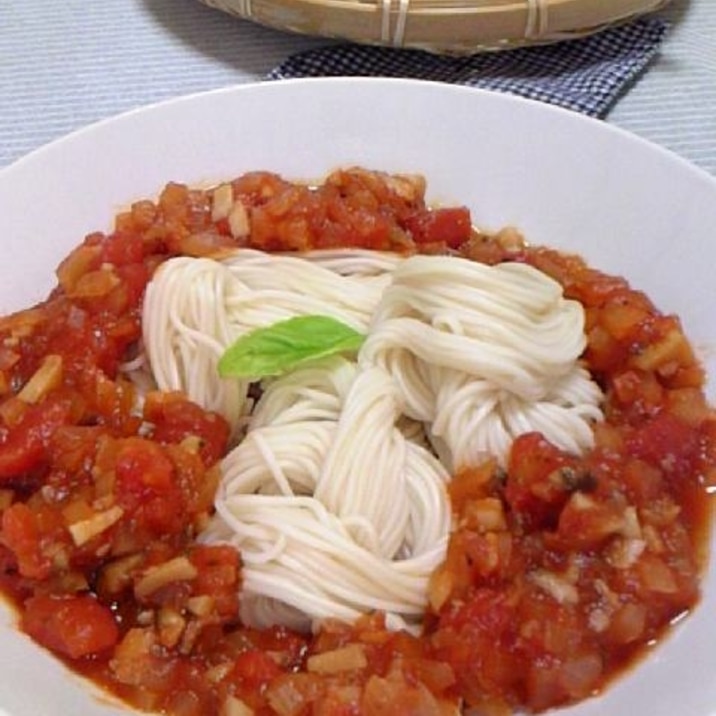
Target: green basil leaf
{"x": 285, "y": 345}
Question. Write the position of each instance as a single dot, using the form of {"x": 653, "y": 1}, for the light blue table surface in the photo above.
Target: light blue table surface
{"x": 67, "y": 63}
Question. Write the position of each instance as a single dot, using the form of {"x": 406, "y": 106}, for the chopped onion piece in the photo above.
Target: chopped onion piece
{"x": 347, "y": 658}
{"x": 179, "y": 569}
{"x": 85, "y": 530}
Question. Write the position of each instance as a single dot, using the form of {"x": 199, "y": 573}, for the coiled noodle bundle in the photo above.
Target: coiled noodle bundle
{"x": 483, "y": 354}
{"x": 320, "y": 535}
{"x": 195, "y": 308}
{"x": 335, "y": 493}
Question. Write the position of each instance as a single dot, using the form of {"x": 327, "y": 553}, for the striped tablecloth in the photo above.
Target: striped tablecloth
{"x": 66, "y": 64}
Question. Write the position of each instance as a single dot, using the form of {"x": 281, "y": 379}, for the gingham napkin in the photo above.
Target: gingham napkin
{"x": 586, "y": 75}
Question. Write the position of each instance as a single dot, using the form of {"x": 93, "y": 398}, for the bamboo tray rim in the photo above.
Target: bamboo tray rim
{"x": 442, "y": 26}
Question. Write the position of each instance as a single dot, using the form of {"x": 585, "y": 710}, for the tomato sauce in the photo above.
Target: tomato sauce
{"x": 561, "y": 570}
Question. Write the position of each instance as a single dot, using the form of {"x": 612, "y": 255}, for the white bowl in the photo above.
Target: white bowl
{"x": 574, "y": 183}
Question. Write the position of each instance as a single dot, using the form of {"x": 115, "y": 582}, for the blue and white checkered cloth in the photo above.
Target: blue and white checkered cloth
{"x": 586, "y": 75}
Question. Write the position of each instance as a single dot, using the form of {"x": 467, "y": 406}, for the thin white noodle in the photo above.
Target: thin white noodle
{"x": 367, "y": 535}
{"x": 335, "y": 496}
{"x": 483, "y": 354}
{"x": 195, "y": 308}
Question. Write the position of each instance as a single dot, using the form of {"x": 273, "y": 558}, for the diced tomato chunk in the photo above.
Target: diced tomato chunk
{"x": 75, "y": 626}
{"x": 21, "y": 534}
{"x": 176, "y": 419}
{"x": 147, "y": 488}
{"x": 452, "y": 226}
{"x": 143, "y": 468}
{"x": 24, "y": 446}
{"x": 254, "y": 669}
{"x": 667, "y": 443}
{"x": 122, "y": 249}
{"x": 486, "y": 610}
{"x": 134, "y": 278}
{"x": 218, "y": 576}
{"x": 585, "y": 522}
{"x": 538, "y": 475}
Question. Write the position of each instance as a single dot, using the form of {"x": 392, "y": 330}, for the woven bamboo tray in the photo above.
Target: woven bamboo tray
{"x": 441, "y": 26}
